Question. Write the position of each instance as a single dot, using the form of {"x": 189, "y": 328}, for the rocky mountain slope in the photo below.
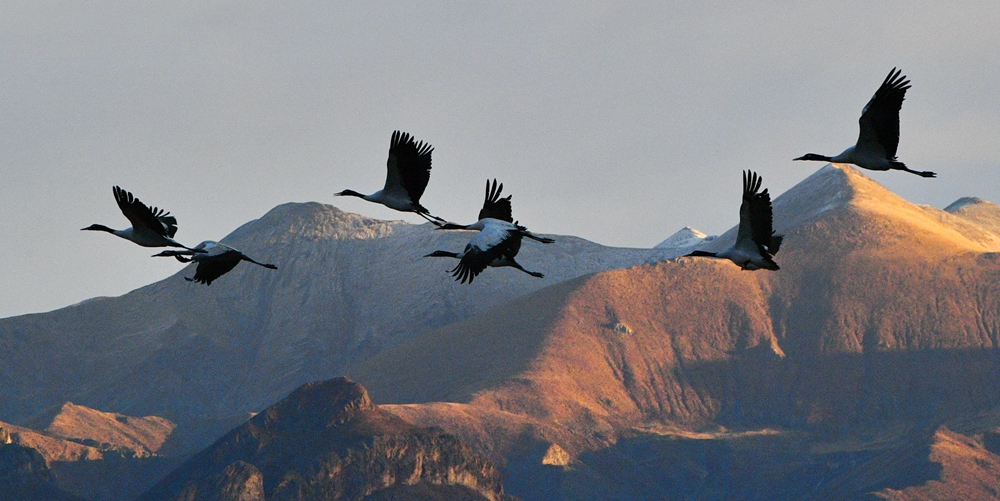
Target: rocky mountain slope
{"x": 347, "y": 287}
{"x": 884, "y": 312}
{"x": 327, "y": 440}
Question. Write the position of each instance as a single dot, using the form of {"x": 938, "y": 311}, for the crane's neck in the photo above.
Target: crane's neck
{"x": 101, "y": 227}
{"x": 816, "y": 156}
{"x": 350, "y": 193}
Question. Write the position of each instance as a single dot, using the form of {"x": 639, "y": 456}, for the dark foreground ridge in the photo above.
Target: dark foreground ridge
{"x": 25, "y": 475}
{"x": 326, "y": 440}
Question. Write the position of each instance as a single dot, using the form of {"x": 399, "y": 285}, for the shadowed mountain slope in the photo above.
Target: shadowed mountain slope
{"x": 347, "y": 287}
{"x": 965, "y": 471}
{"x": 326, "y": 440}
{"x": 25, "y": 476}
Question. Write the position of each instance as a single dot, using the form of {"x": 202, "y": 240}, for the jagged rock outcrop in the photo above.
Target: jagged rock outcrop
{"x": 326, "y": 440}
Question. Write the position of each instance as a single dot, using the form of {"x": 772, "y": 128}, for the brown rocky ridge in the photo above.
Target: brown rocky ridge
{"x": 108, "y": 431}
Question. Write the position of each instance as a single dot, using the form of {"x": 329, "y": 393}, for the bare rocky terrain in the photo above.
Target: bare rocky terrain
{"x": 326, "y": 440}
{"x": 884, "y": 316}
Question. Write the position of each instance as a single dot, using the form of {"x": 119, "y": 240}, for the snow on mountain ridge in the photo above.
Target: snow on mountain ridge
{"x": 314, "y": 221}
{"x": 836, "y": 190}
{"x": 963, "y": 202}
{"x": 685, "y": 238}
{"x": 346, "y": 287}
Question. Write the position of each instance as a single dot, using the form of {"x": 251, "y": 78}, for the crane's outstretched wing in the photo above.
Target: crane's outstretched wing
{"x": 879, "y": 122}
{"x": 756, "y": 219}
{"x": 495, "y": 207}
{"x": 213, "y": 267}
{"x": 408, "y": 166}
{"x": 156, "y": 220}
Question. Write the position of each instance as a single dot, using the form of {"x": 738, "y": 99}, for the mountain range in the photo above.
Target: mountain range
{"x": 865, "y": 368}
{"x": 347, "y": 288}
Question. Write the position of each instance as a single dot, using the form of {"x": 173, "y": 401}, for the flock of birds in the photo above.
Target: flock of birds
{"x": 498, "y": 238}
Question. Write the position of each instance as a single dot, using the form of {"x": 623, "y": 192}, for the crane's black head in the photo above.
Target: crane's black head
{"x": 441, "y": 253}
{"x": 349, "y": 193}
{"x": 97, "y": 227}
{"x": 813, "y": 156}
{"x": 450, "y": 226}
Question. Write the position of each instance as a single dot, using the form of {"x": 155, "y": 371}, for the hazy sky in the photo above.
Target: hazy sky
{"x": 618, "y": 123}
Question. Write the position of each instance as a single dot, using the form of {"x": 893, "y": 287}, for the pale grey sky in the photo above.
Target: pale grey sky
{"x": 619, "y": 123}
